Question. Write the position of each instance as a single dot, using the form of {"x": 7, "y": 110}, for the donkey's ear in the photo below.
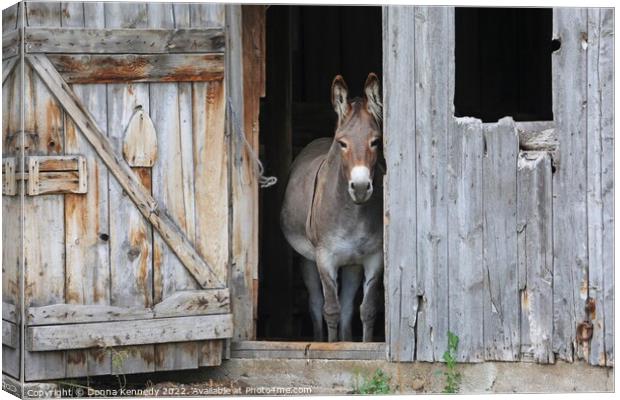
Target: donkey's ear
{"x": 372, "y": 92}
{"x": 339, "y": 97}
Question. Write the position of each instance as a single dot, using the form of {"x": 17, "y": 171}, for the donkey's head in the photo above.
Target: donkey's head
{"x": 358, "y": 134}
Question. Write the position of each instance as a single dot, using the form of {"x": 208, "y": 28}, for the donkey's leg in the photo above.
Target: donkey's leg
{"x": 350, "y": 282}
{"x": 373, "y": 270}
{"x": 311, "y": 278}
{"x": 328, "y": 271}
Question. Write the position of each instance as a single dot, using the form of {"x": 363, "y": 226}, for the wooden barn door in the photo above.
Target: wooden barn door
{"x": 126, "y": 226}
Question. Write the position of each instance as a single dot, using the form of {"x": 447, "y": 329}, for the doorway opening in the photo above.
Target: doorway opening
{"x": 306, "y": 47}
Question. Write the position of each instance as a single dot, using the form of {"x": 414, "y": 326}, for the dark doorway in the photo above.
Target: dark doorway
{"x": 307, "y": 46}
{"x": 503, "y": 63}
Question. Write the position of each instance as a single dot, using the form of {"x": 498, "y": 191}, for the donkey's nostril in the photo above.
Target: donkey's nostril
{"x": 352, "y": 185}
{"x": 368, "y": 186}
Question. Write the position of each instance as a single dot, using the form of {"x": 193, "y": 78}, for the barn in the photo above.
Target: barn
{"x": 139, "y": 234}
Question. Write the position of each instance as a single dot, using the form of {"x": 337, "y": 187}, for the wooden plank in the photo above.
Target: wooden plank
{"x": 86, "y": 217}
{"x": 7, "y": 67}
{"x": 535, "y": 244}
{"x": 9, "y": 313}
{"x": 11, "y": 44}
{"x": 246, "y": 197}
{"x": 118, "y": 41}
{"x": 501, "y": 292}
{"x": 43, "y": 14}
{"x": 570, "y": 225}
{"x": 600, "y": 117}
{"x": 9, "y": 182}
{"x": 140, "y": 141}
{"x": 400, "y": 199}
{"x": 10, "y": 18}
{"x": 12, "y": 212}
{"x": 130, "y": 183}
{"x": 125, "y": 333}
{"x": 194, "y": 302}
{"x": 537, "y": 136}
{"x": 139, "y": 68}
{"x": 173, "y": 189}
{"x": 465, "y": 255}
{"x": 10, "y": 334}
{"x": 182, "y": 303}
{"x": 207, "y": 15}
{"x": 44, "y": 248}
{"x": 432, "y": 111}
{"x": 309, "y": 350}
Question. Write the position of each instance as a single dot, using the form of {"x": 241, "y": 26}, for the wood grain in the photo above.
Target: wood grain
{"x": 400, "y": 196}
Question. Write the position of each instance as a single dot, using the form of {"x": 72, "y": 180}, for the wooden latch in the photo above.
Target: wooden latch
{"x": 46, "y": 175}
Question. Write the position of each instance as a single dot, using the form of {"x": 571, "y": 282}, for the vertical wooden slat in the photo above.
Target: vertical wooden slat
{"x": 86, "y": 216}
{"x": 501, "y": 292}
{"x": 44, "y": 222}
{"x": 600, "y": 181}
{"x": 465, "y": 216}
{"x": 11, "y": 211}
{"x": 399, "y": 183}
{"x": 172, "y": 188}
{"x": 535, "y": 258}
{"x": 131, "y": 246}
{"x": 570, "y": 224}
{"x": 207, "y": 15}
{"x": 244, "y": 309}
{"x": 9, "y": 18}
{"x": 432, "y": 110}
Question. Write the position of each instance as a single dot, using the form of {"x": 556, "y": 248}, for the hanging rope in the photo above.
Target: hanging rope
{"x": 257, "y": 165}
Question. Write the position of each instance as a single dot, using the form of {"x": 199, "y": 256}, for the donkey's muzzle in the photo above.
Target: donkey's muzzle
{"x": 360, "y": 192}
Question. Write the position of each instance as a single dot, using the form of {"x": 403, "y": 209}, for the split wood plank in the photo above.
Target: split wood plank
{"x": 123, "y": 174}
{"x": 432, "y": 46}
{"x": 400, "y": 198}
{"x": 600, "y": 132}
{"x": 118, "y": 41}
{"x": 501, "y": 291}
{"x": 117, "y": 68}
{"x": 465, "y": 251}
{"x": 570, "y": 225}
{"x": 125, "y": 333}
{"x": 172, "y": 178}
{"x": 535, "y": 244}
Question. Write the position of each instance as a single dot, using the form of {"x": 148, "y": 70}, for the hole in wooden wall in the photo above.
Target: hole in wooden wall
{"x": 307, "y": 46}
{"x": 503, "y": 63}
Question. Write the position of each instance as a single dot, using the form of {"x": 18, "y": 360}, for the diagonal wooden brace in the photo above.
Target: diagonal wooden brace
{"x": 165, "y": 226}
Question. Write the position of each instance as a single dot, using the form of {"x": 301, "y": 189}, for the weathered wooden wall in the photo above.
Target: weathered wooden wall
{"x": 503, "y": 247}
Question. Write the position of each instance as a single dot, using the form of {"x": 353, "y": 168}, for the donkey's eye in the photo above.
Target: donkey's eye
{"x": 375, "y": 142}
{"x": 342, "y": 144}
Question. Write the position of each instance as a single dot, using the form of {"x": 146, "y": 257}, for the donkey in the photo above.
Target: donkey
{"x": 332, "y": 213}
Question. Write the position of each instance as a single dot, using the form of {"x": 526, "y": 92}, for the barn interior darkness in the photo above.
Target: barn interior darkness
{"x": 503, "y": 67}
{"x": 307, "y": 46}
{"x": 503, "y": 63}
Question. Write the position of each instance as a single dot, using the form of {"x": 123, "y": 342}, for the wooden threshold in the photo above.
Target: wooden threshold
{"x": 308, "y": 350}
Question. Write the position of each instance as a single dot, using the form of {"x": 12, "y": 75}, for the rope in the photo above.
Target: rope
{"x": 259, "y": 169}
